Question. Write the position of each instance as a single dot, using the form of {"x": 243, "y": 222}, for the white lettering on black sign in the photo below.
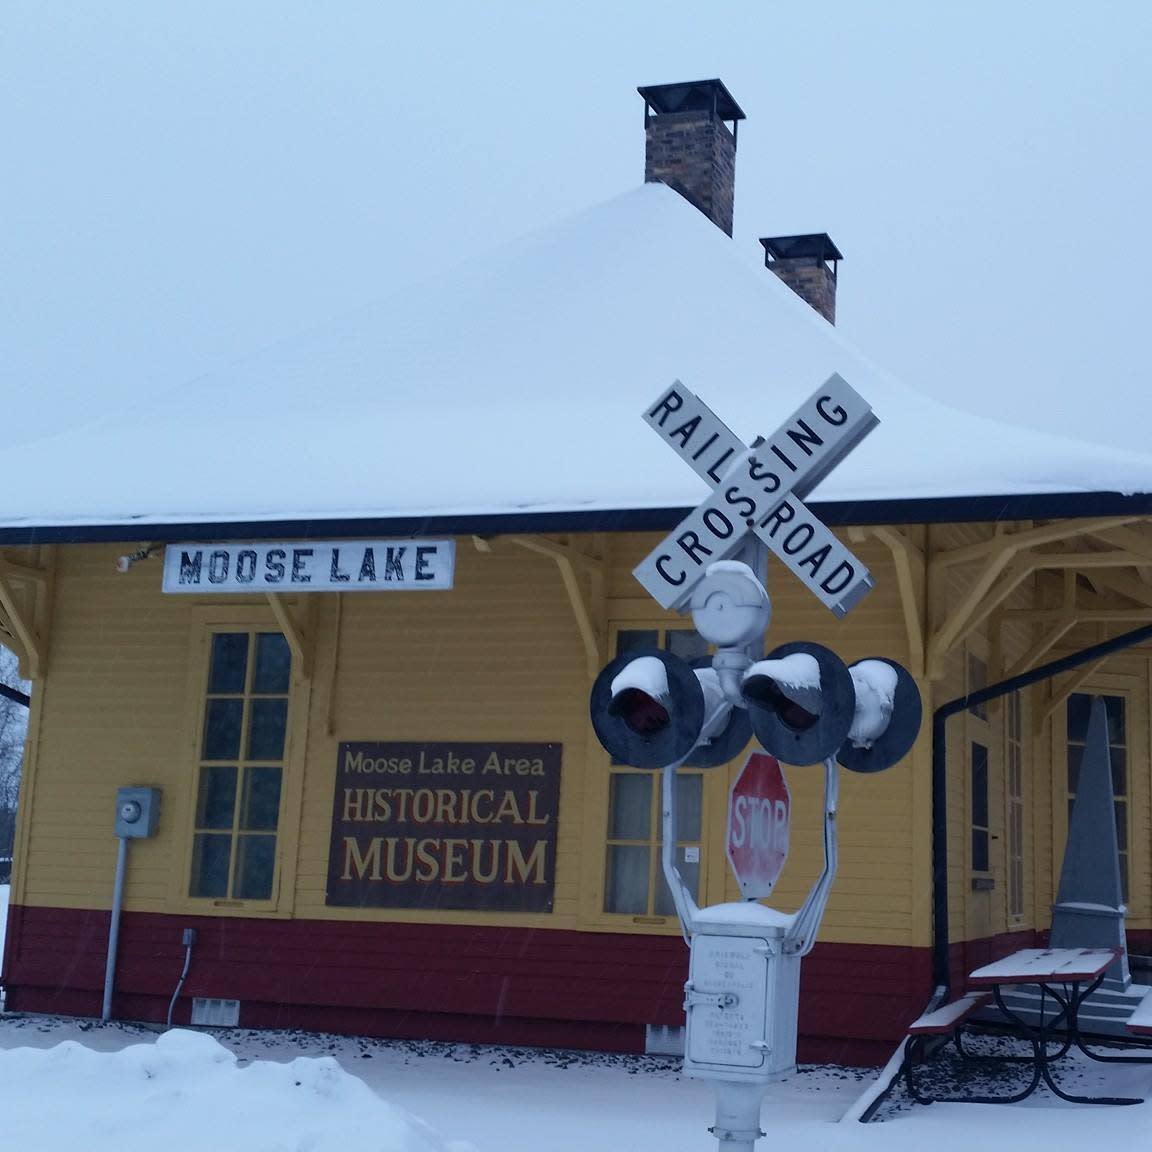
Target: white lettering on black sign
{"x": 315, "y": 566}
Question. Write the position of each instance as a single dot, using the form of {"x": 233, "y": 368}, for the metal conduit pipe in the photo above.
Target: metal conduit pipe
{"x": 940, "y": 940}
{"x": 114, "y": 928}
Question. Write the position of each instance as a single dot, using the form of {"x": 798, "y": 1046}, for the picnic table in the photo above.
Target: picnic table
{"x": 1066, "y": 976}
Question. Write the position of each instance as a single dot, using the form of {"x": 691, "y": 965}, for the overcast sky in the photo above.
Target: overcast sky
{"x": 187, "y": 182}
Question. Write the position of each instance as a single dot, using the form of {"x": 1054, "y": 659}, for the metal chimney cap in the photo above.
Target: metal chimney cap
{"x": 693, "y": 96}
{"x": 810, "y": 246}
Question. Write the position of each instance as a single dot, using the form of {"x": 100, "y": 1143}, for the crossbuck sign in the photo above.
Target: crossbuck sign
{"x": 760, "y": 490}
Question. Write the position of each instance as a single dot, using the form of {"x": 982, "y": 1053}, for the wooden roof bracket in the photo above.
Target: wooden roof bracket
{"x": 294, "y": 633}
{"x": 1058, "y": 629}
{"x": 26, "y": 616}
{"x": 908, "y": 561}
{"x": 1073, "y": 684}
{"x": 1008, "y": 560}
{"x": 587, "y": 608}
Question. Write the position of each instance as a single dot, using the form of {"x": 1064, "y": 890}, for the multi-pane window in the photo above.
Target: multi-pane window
{"x": 1014, "y": 754}
{"x": 1079, "y": 709}
{"x": 634, "y": 879}
{"x": 979, "y": 777}
{"x": 241, "y": 766}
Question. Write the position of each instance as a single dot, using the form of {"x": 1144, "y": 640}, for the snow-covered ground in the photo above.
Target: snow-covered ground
{"x": 67, "y": 1084}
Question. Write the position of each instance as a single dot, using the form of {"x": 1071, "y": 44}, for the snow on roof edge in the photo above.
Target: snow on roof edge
{"x": 911, "y": 510}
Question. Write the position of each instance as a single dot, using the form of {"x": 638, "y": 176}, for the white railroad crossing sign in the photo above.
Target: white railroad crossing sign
{"x": 760, "y": 490}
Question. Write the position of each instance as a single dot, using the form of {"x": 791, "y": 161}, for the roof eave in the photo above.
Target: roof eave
{"x": 919, "y": 510}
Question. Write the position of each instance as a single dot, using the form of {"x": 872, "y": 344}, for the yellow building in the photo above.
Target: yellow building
{"x": 342, "y": 606}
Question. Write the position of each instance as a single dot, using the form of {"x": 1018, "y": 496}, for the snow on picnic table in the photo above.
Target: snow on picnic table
{"x": 67, "y": 1084}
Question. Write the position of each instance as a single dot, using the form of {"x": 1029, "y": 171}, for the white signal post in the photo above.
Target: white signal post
{"x": 742, "y": 996}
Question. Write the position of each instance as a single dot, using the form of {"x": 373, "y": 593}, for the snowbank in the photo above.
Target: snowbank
{"x": 186, "y": 1093}
{"x": 4, "y": 890}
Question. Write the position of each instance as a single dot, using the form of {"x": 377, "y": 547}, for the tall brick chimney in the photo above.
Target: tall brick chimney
{"x": 689, "y": 146}
{"x": 807, "y": 264}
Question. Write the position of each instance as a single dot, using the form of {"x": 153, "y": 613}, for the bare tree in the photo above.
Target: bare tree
{"x": 13, "y": 729}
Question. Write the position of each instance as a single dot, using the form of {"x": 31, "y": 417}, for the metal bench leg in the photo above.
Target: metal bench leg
{"x": 913, "y": 1050}
{"x": 1041, "y": 1037}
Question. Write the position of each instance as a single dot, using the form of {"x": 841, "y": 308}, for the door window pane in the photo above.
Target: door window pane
{"x": 980, "y": 785}
{"x": 979, "y": 774}
{"x": 626, "y": 641}
{"x": 273, "y": 663}
{"x": 255, "y": 862}
{"x": 630, "y": 812}
{"x": 260, "y": 807}
{"x": 269, "y": 719}
{"x": 229, "y": 662}
{"x": 689, "y": 806}
{"x": 626, "y": 887}
{"x": 222, "y": 722}
{"x": 211, "y": 854}
{"x": 216, "y": 802}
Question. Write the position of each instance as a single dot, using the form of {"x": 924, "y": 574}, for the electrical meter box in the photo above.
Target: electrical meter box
{"x": 137, "y": 812}
{"x": 742, "y": 995}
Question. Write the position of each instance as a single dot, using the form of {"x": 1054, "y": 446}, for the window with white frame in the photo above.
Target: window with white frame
{"x": 979, "y": 784}
{"x": 980, "y": 829}
{"x": 240, "y": 767}
{"x": 633, "y": 876}
{"x": 1014, "y": 756}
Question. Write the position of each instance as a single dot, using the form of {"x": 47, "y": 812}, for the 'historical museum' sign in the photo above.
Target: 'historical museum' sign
{"x": 445, "y": 826}
{"x": 311, "y": 566}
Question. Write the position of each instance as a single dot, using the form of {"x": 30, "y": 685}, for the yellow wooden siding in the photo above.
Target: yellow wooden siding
{"x": 965, "y": 908}
{"x": 112, "y": 715}
{"x": 499, "y": 658}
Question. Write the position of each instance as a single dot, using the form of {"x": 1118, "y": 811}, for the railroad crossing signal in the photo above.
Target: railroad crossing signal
{"x": 760, "y": 490}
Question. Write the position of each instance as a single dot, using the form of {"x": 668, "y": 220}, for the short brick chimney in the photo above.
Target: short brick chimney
{"x": 689, "y": 145}
{"x": 807, "y": 264}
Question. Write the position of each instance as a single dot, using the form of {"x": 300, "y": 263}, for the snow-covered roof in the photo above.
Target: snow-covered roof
{"x": 514, "y": 389}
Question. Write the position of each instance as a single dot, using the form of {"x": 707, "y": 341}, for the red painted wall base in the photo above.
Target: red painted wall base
{"x": 438, "y": 982}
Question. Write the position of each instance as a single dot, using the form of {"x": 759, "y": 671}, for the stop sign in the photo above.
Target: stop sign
{"x": 758, "y": 808}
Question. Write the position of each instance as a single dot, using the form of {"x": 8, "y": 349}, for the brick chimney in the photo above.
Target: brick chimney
{"x": 688, "y": 144}
{"x": 807, "y": 264}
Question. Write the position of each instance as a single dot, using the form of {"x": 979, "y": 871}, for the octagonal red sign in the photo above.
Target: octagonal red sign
{"x": 758, "y": 811}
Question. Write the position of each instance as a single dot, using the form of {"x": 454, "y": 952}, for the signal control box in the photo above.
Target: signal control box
{"x": 137, "y": 812}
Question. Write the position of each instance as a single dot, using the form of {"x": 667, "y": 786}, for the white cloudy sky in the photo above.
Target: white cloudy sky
{"x": 186, "y": 182}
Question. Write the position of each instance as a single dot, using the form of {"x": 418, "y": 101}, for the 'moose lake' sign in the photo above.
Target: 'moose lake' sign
{"x": 310, "y": 566}
{"x": 445, "y": 826}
